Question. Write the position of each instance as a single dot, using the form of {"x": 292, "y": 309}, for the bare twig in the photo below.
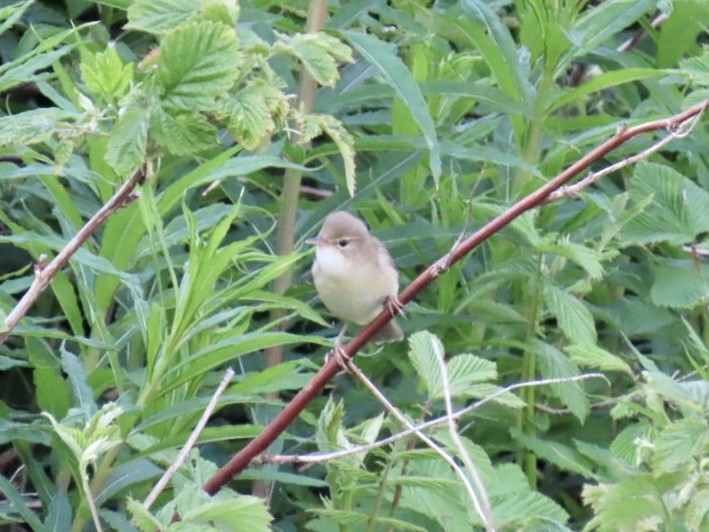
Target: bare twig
{"x": 320, "y": 458}
{"x": 45, "y": 273}
{"x": 291, "y": 411}
{"x": 681, "y": 130}
{"x": 486, "y": 516}
{"x": 480, "y": 498}
{"x": 185, "y": 451}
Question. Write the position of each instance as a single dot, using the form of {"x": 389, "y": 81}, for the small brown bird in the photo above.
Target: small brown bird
{"x": 354, "y": 273}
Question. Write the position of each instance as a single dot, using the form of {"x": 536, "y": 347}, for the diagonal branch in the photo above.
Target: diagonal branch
{"x": 291, "y": 411}
{"x": 45, "y": 273}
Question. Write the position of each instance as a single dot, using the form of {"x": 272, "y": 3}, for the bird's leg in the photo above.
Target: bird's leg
{"x": 338, "y": 350}
{"x": 395, "y": 306}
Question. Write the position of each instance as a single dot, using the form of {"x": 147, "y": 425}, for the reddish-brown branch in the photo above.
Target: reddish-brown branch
{"x": 291, "y": 411}
{"x": 45, "y": 273}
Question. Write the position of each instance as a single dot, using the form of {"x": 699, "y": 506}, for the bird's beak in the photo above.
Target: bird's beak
{"x": 316, "y": 241}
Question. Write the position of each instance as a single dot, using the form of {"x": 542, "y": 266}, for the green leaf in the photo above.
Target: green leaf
{"x": 159, "y": 16}
{"x": 105, "y": 74}
{"x": 592, "y": 356}
{"x": 127, "y": 144}
{"x": 553, "y": 364}
{"x": 241, "y": 513}
{"x": 319, "y": 53}
{"x": 198, "y": 62}
{"x": 252, "y": 112}
{"x": 681, "y": 444}
{"x": 394, "y": 71}
{"x": 30, "y": 127}
{"x": 19, "y": 503}
{"x": 679, "y": 285}
{"x": 679, "y": 212}
{"x": 182, "y": 132}
{"x": 574, "y": 319}
{"x": 562, "y": 456}
{"x": 82, "y": 392}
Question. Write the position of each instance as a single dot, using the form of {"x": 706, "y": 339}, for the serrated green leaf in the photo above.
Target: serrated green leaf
{"x": 589, "y": 259}
{"x": 592, "y": 356}
{"x": 105, "y": 73}
{"x": 345, "y": 143}
{"x": 680, "y": 444}
{"x": 182, "y": 132}
{"x": 198, "y": 62}
{"x": 126, "y": 147}
{"x": 678, "y": 213}
{"x": 394, "y": 71}
{"x": 319, "y": 53}
{"x": 574, "y": 319}
{"x": 679, "y": 285}
{"x": 159, "y": 16}
{"x": 144, "y": 520}
{"x": 249, "y": 116}
{"x": 242, "y": 513}
{"x": 553, "y": 364}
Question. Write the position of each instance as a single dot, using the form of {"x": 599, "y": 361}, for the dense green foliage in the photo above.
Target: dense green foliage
{"x": 430, "y": 119}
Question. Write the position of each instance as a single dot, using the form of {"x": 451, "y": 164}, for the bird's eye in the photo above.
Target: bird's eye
{"x": 342, "y": 243}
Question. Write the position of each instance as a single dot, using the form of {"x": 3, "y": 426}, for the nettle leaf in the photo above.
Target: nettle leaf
{"x": 592, "y": 356}
{"x": 249, "y": 114}
{"x": 197, "y": 64}
{"x": 696, "y": 68}
{"x": 589, "y": 259}
{"x": 127, "y": 143}
{"x": 553, "y": 364}
{"x": 182, "y": 132}
{"x": 159, "y": 16}
{"x": 313, "y": 125}
{"x": 679, "y": 285}
{"x": 680, "y": 445}
{"x": 105, "y": 74}
{"x": 574, "y": 319}
{"x": 678, "y": 213}
{"x": 319, "y": 53}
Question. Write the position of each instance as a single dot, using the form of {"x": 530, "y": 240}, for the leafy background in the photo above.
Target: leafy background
{"x": 426, "y": 120}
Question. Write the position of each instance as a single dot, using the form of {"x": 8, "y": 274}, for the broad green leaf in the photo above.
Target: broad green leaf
{"x": 105, "y": 73}
{"x": 159, "y": 16}
{"x": 562, "y": 456}
{"x": 574, "y": 319}
{"x": 593, "y": 356}
{"x": 241, "y": 513}
{"x": 182, "y": 132}
{"x": 679, "y": 212}
{"x": 680, "y": 444}
{"x": 679, "y": 285}
{"x": 319, "y": 53}
{"x": 127, "y": 143}
{"x": 198, "y": 62}
{"x": 252, "y": 113}
{"x": 394, "y": 71}
{"x": 553, "y": 364}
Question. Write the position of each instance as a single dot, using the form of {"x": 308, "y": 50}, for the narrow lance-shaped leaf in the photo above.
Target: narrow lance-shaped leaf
{"x": 394, "y": 71}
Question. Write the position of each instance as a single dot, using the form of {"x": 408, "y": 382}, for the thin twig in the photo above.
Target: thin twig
{"x": 311, "y": 390}
{"x": 485, "y": 516}
{"x": 681, "y": 130}
{"x": 45, "y": 273}
{"x": 482, "y": 506}
{"x": 321, "y": 458}
{"x": 185, "y": 451}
